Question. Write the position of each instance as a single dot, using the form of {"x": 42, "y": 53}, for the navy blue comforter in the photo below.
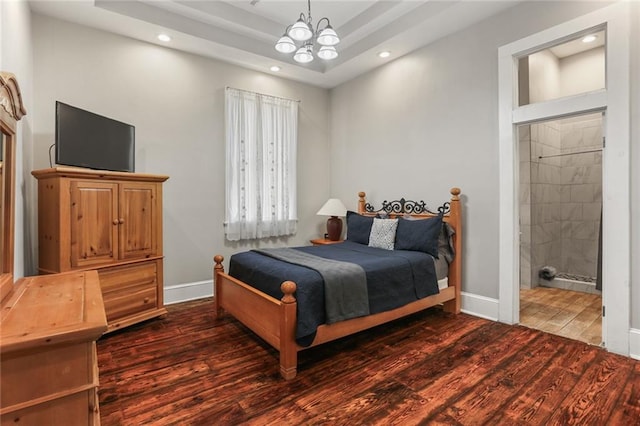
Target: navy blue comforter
{"x": 394, "y": 278}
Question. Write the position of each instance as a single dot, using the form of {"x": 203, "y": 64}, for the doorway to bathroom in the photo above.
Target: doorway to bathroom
{"x": 560, "y": 192}
{"x": 560, "y": 226}
{"x": 613, "y": 100}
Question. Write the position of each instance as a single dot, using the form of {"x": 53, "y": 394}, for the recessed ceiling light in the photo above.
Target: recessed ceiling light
{"x": 275, "y": 68}
{"x": 589, "y": 38}
{"x": 164, "y": 37}
{"x": 384, "y": 54}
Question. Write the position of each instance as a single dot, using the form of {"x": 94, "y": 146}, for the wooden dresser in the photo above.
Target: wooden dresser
{"x": 48, "y": 324}
{"x": 110, "y": 222}
{"x": 48, "y": 352}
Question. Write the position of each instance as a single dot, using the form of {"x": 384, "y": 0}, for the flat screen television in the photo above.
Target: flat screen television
{"x": 85, "y": 139}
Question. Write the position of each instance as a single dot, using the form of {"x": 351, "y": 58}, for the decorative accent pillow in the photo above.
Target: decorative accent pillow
{"x": 419, "y": 235}
{"x": 383, "y": 233}
{"x": 358, "y": 227}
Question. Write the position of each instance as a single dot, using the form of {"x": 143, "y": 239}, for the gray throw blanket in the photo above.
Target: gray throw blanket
{"x": 345, "y": 284}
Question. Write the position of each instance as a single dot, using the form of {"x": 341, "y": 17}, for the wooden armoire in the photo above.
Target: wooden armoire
{"x": 110, "y": 222}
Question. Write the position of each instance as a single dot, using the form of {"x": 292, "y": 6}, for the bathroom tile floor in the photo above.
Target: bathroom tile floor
{"x": 562, "y": 312}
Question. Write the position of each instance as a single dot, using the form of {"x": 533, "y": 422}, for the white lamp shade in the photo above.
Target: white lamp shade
{"x": 328, "y": 37}
{"x": 333, "y": 207}
{"x": 300, "y": 31}
{"x": 285, "y": 45}
{"x": 303, "y": 55}
{"x": 327, "y": 53}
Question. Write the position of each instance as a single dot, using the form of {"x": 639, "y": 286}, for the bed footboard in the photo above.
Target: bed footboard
{"x": 272, "y": 319}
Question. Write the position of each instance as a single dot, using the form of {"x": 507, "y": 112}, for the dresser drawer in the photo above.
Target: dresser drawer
{"x": 75, "y": 409}
{"x": 39, "y": 375}
{"x": 120, "y": 278}
{"x": 132, "y": 301}
{"x": 129, "y": 290}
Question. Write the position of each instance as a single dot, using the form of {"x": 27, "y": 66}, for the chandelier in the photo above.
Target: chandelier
{"x": 302, "y": 31}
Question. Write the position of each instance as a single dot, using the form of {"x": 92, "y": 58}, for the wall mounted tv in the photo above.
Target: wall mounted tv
{"x": 85, "y": 139}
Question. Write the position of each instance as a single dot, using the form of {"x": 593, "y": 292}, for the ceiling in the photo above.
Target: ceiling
{"x": 244, "y": 32}
{"x": 577, "y": 45}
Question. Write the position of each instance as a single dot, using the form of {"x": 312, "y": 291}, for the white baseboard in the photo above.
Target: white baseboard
{"x": 634, "y": 343}
{"x": 188, "y": 291}
{"x": 480, "y": 306}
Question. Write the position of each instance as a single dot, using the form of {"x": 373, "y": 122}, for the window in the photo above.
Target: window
{"x": 261, "y": 141}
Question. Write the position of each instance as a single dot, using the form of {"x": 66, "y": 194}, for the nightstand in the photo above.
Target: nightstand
{"x": 323, "y": 241}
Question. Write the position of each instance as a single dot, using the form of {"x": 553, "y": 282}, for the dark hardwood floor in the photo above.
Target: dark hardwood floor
{"x": 429, "y": 368}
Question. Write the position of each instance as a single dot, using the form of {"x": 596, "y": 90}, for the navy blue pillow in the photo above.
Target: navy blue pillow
{"x": 358, "y": 227}
{"x": 419, "y": 235}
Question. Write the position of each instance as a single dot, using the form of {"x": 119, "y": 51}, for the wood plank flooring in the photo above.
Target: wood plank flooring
{"x": 429, "y": 368}
{"x": 566, "y": 313}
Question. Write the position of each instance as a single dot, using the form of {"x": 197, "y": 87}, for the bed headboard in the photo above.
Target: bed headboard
{"x": 404, "y": 206}
{"x": 451, "y": 211}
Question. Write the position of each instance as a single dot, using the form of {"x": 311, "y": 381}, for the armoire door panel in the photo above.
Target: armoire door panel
{"x": 137, "y": 220}
{"x": 94, "y": 223}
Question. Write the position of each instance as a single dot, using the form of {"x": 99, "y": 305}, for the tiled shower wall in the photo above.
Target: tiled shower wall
{"x": 581, "y": 203}
{"x": 560, "y": 197}
{"x": 524, "y": 148}
{"x": 542, "y": 190}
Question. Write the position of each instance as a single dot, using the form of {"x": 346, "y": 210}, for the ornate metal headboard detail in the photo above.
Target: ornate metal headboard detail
{"x": 403, "y": 206}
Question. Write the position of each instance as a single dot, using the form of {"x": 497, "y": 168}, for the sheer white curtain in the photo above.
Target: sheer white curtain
{"x": 261, "y": 142}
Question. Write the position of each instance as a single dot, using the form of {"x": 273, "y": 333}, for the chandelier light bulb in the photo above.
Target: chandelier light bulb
{"x": 327, "y": 53}
{"x": 300, "y": 31}
{"x": 303, "y": 55}
{"x": 285, "y": 45}
{"x": 328, "y": 37}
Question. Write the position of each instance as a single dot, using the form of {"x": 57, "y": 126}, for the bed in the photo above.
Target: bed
{"x": 247, "y": 291}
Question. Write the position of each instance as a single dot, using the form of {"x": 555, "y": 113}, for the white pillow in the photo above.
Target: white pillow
{"x": 383, "y": 233}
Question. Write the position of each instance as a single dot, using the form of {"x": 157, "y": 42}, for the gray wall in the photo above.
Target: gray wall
{"x": 429, "y": 120}
{"x": 176, "y": 102}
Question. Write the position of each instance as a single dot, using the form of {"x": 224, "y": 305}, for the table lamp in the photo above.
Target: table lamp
{"x": 333, "y": 208}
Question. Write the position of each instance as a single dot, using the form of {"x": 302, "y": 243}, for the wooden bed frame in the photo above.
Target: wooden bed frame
{"x": 275, "y": 320}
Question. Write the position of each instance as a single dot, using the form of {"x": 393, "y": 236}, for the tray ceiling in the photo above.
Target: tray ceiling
{"x": 244, "y": 32}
